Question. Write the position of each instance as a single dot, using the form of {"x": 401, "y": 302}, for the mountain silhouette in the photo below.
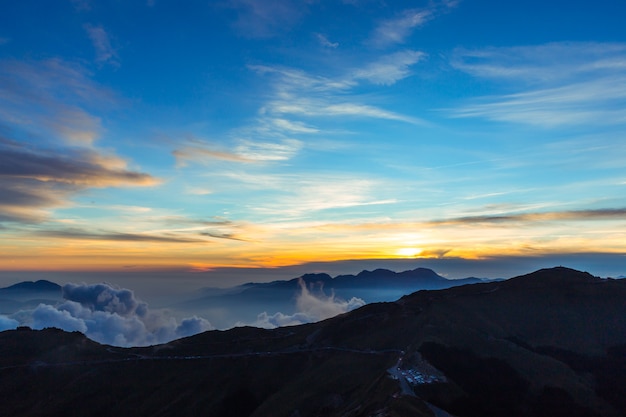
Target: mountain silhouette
{"x": 28, "y": 295}
{"x": 550, "y": 343}
{"x": 371, "y": 286}
{"x": 41, "y": 285}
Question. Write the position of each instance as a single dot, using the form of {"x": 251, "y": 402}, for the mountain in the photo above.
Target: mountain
{"x": 41, "y": 285}
{"x": 370, "y": 286}
{"x": 28, "y": 295}
{"x": 550, "y": 343}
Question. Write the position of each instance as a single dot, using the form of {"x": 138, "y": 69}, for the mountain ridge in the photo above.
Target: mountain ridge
{"x": 487, "y": 349}
{"x": 281, "y": 295}
{"x": 39, "y": 285}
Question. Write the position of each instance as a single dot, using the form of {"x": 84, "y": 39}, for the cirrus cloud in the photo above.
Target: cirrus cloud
{"x": 551, "y": 85}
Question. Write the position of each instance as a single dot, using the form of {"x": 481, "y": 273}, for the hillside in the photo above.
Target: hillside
{"x": 551, "y": 343}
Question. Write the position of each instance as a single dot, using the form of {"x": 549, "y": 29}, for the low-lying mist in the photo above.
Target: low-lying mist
{"x": 115, "y": 316}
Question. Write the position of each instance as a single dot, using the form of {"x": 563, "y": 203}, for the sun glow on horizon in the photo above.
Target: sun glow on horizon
{"x": 409, "y": 252}
{"x": 294, "y": 138}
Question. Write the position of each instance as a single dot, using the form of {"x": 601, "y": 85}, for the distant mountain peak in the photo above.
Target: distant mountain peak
{"x": 40, "y": 285}
{"x": 320, "y": 276}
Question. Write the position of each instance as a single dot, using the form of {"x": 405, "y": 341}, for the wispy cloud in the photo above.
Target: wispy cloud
{"x": 323, "y": 40}
{"x": 266, "y": 18}
{"x": 558, "y": 62}
{"x": 201, "y": 154}
{"x": 50, "y": 97}
{"x": 325, "y": 108}
{"x": 572, "y": 215}
{"x": 295, "y": 102}
{"x": 79, "y": 234}
{"x": 563, "y": 84}
{"x": 597, "y": 102}
{"x": 229, "y": 236}
{"x": 105, "y": 53}
{"x": 390, "y": 68}
{"x": 81, "y": 5}
{"x": 288, "y": 79}
{"x": 293, "y": 126}
{"x": 298, "y": 94}
{"x": 397, "y": 29}
{"x": 245, "y": 150}
{"x": 269, "y": 151}
{"x": 297, "y": 196}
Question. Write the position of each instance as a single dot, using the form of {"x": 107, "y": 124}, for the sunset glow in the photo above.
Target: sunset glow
{"x": 145, "y": 135}
{"x": 409, "y": 252}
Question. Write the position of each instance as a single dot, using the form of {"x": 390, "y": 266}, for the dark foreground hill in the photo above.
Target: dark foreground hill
{"x": 551, "y": 343}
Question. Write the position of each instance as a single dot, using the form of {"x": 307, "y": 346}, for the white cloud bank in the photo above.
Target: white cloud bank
{"x": 107, "y": 315}
{"x": 114, "y": 316}
{"x": 310, "y": 308}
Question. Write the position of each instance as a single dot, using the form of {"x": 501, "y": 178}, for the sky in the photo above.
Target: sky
{"x": 180, "y": 139}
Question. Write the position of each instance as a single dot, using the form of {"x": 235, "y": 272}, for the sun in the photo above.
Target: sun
{"x": 408, "y": 252}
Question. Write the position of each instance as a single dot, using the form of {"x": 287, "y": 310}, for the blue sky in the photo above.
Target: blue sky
{"x": 160, "y": 135}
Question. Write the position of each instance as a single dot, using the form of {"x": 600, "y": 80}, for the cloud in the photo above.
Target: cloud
{"x": 79, "y": 167}
{"x": 297, "y": 94}
{"x": 323, "y": 40}
{"x": 77, "y": 234}
{"x": 558, "y": 84}
{"x": 389, "y": 69}
{"x": 541, "y": 64}
{"x": 597, "y": 102}
{"x": 230, "y": 236}
{"x": 323, "y": 107}
{"x": 396, "y": 30}
{"x": 103, "y": 297}
{"x": 320, "y": 306}
{"x": 81, "y": 5}
{"x": 575, "y": 215}
{"x": 268, "y": 151}
{"x": 295, "y": 99}
{"x": 34, "y": 180}
{"x": 199, "y": 154}
{"x": 47, "y": 154}
{"x": 108, "y": 315}
{"x": 297, "y": 196}
{"x": 290, "y": 80}
{"x": 49, "y": 99}
{"x": 266, "y": 18}
{"x": 105, "y": 53}
{"x": 245, "y": 150}
{"x": 46, "y": 315}
{"x": 7, "y": 323}
{"x": 311, "y": 307}
{"x": 172, "y": 230}
{"x": 293, "y": 126}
